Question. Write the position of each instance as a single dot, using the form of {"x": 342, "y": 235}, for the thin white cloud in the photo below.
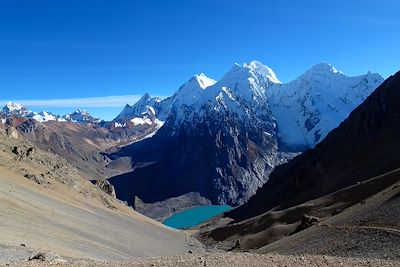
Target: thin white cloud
{"x": 104, "y": 101}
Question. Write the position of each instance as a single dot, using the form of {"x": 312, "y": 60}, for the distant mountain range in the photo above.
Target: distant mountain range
{"x": 221, "y": 139}
{"x": 79, "y": 116}
{"x": 217, "y": 139}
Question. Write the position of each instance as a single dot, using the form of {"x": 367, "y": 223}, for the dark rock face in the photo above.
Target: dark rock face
{"x": 217, "y": 157}
{"x": 365, "y": 145}
{"x": 106, "y": 187}
{"x": 27, "y": 126}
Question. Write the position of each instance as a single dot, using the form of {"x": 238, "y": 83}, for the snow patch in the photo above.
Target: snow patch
{"x": 141, "y": 121}
{"x": 43, "y": 116}
{"x": 119, "y": 124}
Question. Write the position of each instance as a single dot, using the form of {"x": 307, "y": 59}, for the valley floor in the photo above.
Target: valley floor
{"x": 221, "y": 260}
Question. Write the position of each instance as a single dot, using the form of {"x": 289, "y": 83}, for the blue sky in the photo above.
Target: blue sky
{"x": 79, "y": 49}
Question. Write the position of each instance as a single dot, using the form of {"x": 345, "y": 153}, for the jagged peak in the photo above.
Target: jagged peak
{"x": 323, "y": 67}
{"x": 253, "y": 68}
{"x": 13, "y": 106}
{"x": 374, "y": 75}
{"x": 145, "y": 96}
{"x": 201, "y": 80}
{"x": 258, "y": 67}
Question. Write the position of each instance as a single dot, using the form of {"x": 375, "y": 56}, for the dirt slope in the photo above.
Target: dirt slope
{"x": 362, "y": 210}
{"x": 46, "y": 205}
{"x": 371, "y": 228}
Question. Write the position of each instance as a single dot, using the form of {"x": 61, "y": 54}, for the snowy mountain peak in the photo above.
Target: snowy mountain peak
{"x": 140, "y": 107}
{"x": 42, "y": 116}
{"x": 254, "y": 72}
{"x": 307, "y": 108}
{"x": 198, "y": 82}
{"x": 80, "y": 116}
{"x": 258, "y": 67}
{"x": 249, "y": 81}
{"x": 12, "y": 108}
{"x": 203, "y": 81}
{"x": 322, "y": 68}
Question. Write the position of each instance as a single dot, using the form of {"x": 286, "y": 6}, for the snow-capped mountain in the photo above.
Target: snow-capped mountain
{"x": 188, "y": 94}
{"x": 219, "y": 140}
{"x": 80, "y": 116}
{"x": 129, "y": 112}
{"x": 15, "y": 109}
{"x": 12, "y": 108}
{"x": 239, "y": 92}
{"x": 222, "y": 139}
{"x": 42, "y": 116}
{"x": 189, "y": 97}
{"x": 307, "y": 108}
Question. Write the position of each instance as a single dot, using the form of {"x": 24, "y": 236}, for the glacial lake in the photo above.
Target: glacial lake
{"x": 195, "y": 216}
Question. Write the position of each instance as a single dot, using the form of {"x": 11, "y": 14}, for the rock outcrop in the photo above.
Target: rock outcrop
{"x": 106, "y": 187}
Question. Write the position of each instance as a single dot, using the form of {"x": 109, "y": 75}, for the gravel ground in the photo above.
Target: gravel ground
{"x": 220, "y": 260}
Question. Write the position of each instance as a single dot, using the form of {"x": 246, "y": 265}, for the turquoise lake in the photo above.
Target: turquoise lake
{"x": 195, "y": 216}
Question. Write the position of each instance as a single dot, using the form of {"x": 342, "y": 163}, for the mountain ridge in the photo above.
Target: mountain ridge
{"x": 79, "y": 115}
{"x": 233, "y": 127}
{"x": 338, "y": 194}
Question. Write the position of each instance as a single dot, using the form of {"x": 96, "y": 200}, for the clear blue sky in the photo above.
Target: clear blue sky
{"x": 78, "y": 49}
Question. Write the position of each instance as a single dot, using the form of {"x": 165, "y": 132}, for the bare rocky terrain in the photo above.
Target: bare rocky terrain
{"x": 223, "y": 259}
{"x": 335, "y": 205}
{"x": 86, "y": 146}
{"x": 47, "y": 206}
{"x": 51, "y": 216}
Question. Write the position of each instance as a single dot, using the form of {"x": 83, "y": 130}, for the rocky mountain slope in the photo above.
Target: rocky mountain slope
{"x": 82, "y": 144}
{"x": 222, "y": 139}
{"x": 346, "y": 186}
{"x": 61, "y": 218}
{"x": 47, "y": 206}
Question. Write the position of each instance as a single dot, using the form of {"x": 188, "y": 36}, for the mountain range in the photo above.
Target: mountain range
{"x": 79, "y": 115}
{"x": 312, "y": 164}
{"x": 221, "y": 139}
{"x": 343, "y": 194}
{"x": 214, "y": 140}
